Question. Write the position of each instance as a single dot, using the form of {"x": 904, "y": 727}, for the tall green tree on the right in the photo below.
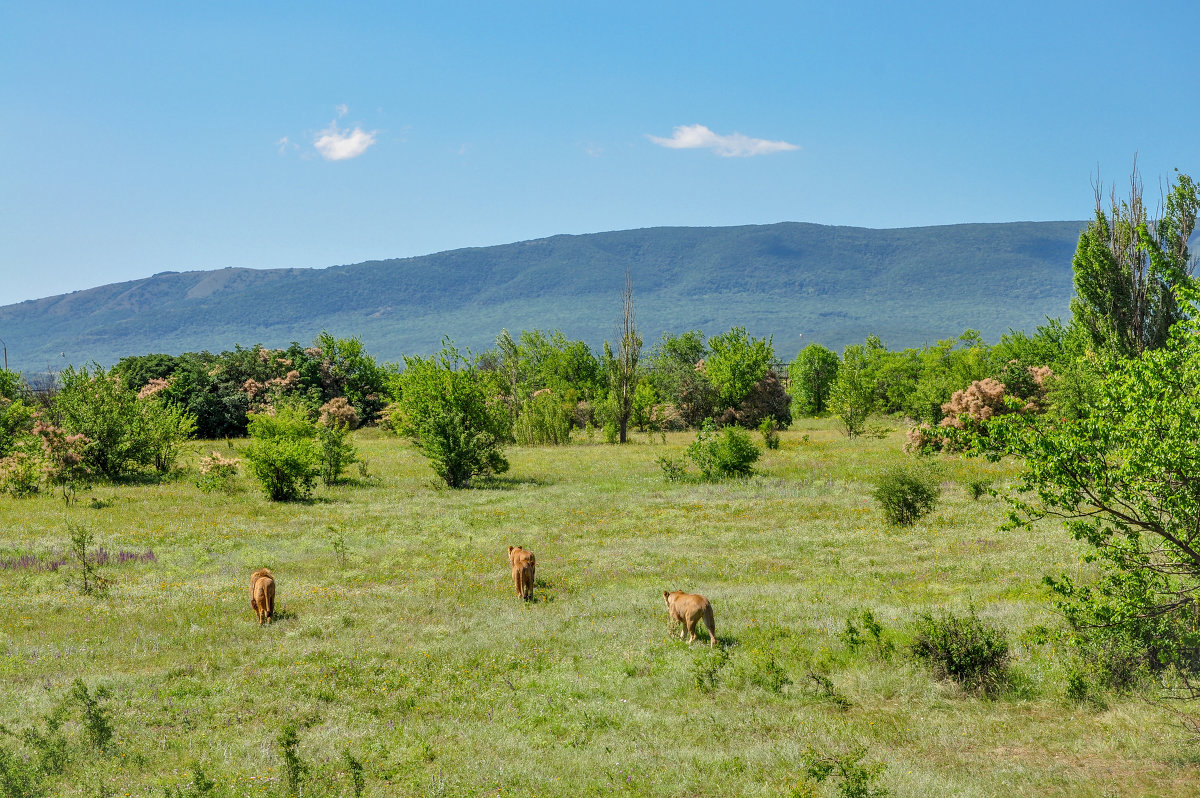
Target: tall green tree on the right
{"x": 1130, "y": 265}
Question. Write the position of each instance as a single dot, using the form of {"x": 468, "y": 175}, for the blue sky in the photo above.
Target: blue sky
{"x": 144, "y": 137}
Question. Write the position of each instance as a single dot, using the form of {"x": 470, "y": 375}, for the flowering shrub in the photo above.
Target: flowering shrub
{"x": 21, "y": 473}
{"x": 339, "y": 411}
{"x": 217, "y": 473}
{"x": 64, "y": 454}
{"x": 979, "y": 401}
{"x": 153, "y": 388}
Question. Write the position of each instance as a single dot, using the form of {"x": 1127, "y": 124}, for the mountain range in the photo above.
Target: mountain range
{"x": 797, "y": 282}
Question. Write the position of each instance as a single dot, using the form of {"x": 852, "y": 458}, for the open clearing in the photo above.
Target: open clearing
{"x": 407, "y": 645}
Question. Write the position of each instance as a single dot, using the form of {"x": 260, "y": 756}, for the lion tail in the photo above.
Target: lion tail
{"x": 709, "y": 621}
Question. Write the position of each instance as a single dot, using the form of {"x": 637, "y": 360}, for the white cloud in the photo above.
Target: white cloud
{"x": 335, "y": 144}
{"x": 342, "y": 110}
{"x": 282, "y": 144}
{"x": 735, "y": 145}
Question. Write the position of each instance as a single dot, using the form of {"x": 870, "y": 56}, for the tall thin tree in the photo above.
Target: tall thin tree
{"x": 622, "y": 368}
{"x": 1130, "y": 265}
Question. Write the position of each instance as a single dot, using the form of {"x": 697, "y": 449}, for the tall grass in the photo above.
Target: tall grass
{"x": 404, "y": 645}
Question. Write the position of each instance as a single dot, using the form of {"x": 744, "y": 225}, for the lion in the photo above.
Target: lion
{"x": 688, "y": 609}
{"x": 262, "y": 594}
{"x": 522, "y": 563}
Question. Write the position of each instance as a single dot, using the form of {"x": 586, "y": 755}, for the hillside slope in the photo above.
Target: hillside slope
{"x": 799, "y": 282}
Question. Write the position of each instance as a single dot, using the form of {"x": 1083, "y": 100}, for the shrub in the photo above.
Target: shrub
{"x": 358, "y": 782}
{"x": 727, "y": 453}
{"x": 443, "y": 408}
{"x": 339, "y": 412}
{"x": 905, "y": 494}
{"x": 852, "y": 636}
{"x": 976, "y": 403}
{"x": 736, "y": 361}
{"x": 22, "y": 471}
{"x": 97, "y": 726}
{"x": 962, "y": 648}
{"x": 81, "y": 539}
{"x": 706, "y": 669}
{"x": 855, "y": 780}
{"x": 165, "y": 428}
{"x": 295, "y": 769}
{"x": 758, "y": 666}
{"x": 769, "y": 429}
{"x": 217, "y": 473}
{"x": 674, "y": 468}
{"x": 284, "y": 455}
{"x": 766, "y": 399}
{"x": 976, "y": 488}
{"x": 16, "y": 422}
{"x": 852, "y": 396}
{"x": 543, "y": 422}
{"x": 337, "y": 452}
{"x": 64, "y": 455}
{"x": 123, "y": 432}
{"x": 923, "y": 438}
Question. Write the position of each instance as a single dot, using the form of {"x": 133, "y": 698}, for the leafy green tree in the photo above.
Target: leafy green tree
{"x": 16, "y": 413}
{"x": 347, "y": 370}
{"x": 854, "y": 394}
{"x": 672, "y": 369}
{"x": 123, "y": 431}
{"x": 1125, "y": 479}
{"x": 644, "y": 400}
{"x": 737, "y": 361}
{"x": 165, "y": 428}
{"x": 543, "y": 421}
{"x": 812, "y": 374}
{"x": 443, "y": 408}
{"x": 1130, "y": 266}
{"x": 949, "y": 366}
{"x": 137, "y": 370}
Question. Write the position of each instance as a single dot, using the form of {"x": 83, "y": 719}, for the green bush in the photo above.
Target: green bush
{"x": 977, "y": 488}
{"x": 727, "y": 453}
{"x": 854, "y": 779}
{"x": 674, "y": 468}
{"x": 441, "y": 405}
{"x": 543, "y": 422}
{"x": 22, "y": 471}
{"x": 124, "y": 432}
{"x": 337, "y": 451}
{"x": 962, "y": 648}
{"x": 770, "y": 432}
{"x": 217, "y": 473}
{"x": 16, "y": 423}
{"x": 811, "y": 375}
{"x": 284, "y": 454}
{"x": 906, "y": 493}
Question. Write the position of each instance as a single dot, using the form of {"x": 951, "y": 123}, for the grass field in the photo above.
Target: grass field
{"x": 399, "y": 637}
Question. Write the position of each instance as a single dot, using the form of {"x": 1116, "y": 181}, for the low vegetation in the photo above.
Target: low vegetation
{"x": 401, "y": 647}
{"x": 390, "y": 656}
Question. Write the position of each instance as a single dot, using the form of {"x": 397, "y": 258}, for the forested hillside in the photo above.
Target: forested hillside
{"x": 799, "y": 282}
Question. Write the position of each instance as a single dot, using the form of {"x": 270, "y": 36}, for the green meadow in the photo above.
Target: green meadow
{"x": 399, "y": 639}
